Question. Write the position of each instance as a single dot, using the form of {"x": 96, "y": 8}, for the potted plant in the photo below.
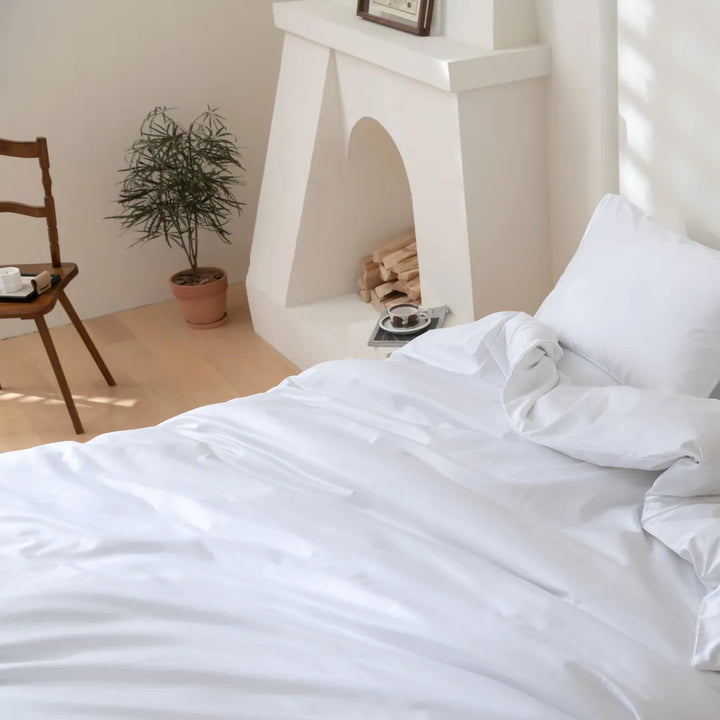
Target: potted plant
{"x": 178, "y": 182}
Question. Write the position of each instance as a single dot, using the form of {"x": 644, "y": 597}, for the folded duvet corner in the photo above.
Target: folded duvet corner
{"x": 627, "y": 427}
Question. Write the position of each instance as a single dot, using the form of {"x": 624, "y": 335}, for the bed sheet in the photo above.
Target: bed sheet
{"x": 368, "y": 540}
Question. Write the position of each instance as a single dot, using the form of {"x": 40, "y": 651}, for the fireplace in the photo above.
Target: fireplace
{"x": 375, "y": 131}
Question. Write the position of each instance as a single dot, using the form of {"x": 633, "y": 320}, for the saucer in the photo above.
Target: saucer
{"x": 386, "y": 324}
{"x": 25, "y": 290}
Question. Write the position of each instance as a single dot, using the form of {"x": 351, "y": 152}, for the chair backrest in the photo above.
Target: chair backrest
{"x": 35, "y": 149}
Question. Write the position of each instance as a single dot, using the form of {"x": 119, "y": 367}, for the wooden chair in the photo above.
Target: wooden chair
{"x": 44, "y": 303}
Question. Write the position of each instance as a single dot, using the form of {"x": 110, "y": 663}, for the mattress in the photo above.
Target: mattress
{"x": 367, "y": 540}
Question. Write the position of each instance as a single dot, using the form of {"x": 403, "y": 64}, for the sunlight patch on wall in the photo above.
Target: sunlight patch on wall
{"x": 636, "y": 72}
{"x": 636, "y": 87}
{"x": 640, "y": 134}
{"x": 635, "y": 182}
{"x": 636, "y": 15}
{"x": 669, "y": 103}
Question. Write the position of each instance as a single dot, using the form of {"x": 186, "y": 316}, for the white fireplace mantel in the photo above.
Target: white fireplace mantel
{"x": 468, "y": 125}
{"x": 436, "y": 60}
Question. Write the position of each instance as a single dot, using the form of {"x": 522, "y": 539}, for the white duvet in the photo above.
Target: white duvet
{"x": 373, "y": 540}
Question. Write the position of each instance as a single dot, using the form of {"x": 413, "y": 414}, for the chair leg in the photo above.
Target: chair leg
{"x": 70, "y": 310}
{"x": 59, "y": 374}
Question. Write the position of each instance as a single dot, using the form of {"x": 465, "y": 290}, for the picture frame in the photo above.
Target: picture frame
{"x": 413, "y": 16}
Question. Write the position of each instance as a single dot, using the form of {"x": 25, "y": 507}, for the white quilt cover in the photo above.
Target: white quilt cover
{"x": 368, "y": 540}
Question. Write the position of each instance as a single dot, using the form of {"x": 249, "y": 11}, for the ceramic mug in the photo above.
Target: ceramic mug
{"x": 406, "y": 315}
{"x": 10, "y": 280}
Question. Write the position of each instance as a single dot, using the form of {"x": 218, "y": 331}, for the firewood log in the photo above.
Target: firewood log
{"x": 409, "y": 263}
{"x": 377, "y": 303}
{"x": 364, "y": 294}
{"x": 362, "y": 287}
{"x": 412, "y": 288}
{"x": 390, "y": 261}
{"x": 370, "y": 278}
{"x": 386, "y": 288}
{"x": 392, "y": 245}
{"x": 406, "y": 275}
{"x": 387, "y": 275}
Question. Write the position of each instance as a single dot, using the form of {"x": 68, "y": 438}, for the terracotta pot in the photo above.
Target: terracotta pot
{"x": 203, "y": 306}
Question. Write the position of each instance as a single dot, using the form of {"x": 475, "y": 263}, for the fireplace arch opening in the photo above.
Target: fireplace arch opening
{"x": 358, "y": 197}
{"x": 381, "y": 201}
{"x": 382, "y": 218}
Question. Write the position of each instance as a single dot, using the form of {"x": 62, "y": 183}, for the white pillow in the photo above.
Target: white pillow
{"x": 641, "y": 302}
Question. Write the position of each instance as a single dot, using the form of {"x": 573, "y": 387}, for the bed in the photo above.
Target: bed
{"x": 486, "y": 525}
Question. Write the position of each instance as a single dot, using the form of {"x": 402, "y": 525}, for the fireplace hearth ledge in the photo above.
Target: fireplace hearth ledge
{"x": 309, "y": 334}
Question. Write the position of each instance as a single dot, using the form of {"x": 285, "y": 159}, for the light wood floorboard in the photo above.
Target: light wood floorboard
{"x": 161, "y": 367}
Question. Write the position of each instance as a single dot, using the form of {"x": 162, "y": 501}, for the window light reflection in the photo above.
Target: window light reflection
{"x": 6, "y": 396}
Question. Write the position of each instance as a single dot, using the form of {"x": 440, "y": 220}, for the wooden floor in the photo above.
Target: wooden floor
{"x": 161, "y": 366}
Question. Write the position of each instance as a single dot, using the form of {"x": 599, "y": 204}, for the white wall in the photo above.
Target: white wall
{"x": 669, "y": 69}
{"x": 84, "y": 73}
{"x": 658, "y": 62}
{"x": 582, "y": 110}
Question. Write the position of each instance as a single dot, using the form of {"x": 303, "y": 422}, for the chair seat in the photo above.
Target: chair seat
{"x": 44, "y": 303}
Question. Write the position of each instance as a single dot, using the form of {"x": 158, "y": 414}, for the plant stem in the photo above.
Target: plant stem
{"x": 194, "y": 251}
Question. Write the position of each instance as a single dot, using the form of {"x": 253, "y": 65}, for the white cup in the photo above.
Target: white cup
{"x": 406, "y": 315}
{"x": 10, "y": 280}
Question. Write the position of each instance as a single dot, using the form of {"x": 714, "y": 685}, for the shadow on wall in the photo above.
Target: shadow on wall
{"x": 669, "y": 104}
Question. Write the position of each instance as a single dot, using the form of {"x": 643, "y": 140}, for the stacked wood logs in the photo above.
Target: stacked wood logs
{"x": 391, "y": 275}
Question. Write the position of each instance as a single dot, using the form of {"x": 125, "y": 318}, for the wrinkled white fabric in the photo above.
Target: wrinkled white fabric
{"x": 628, "y": 428}
{"x": 368, "y": 540}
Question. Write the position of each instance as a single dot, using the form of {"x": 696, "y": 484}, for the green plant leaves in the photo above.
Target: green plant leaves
{"x": 179, "y": 180}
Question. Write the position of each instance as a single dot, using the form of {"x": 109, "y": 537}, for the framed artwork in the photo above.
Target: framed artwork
{"x": 414, "y": 16}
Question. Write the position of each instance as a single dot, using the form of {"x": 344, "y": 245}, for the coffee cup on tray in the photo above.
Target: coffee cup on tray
{"x": 10, "y": 280}
{"x": 406, "y": 315}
